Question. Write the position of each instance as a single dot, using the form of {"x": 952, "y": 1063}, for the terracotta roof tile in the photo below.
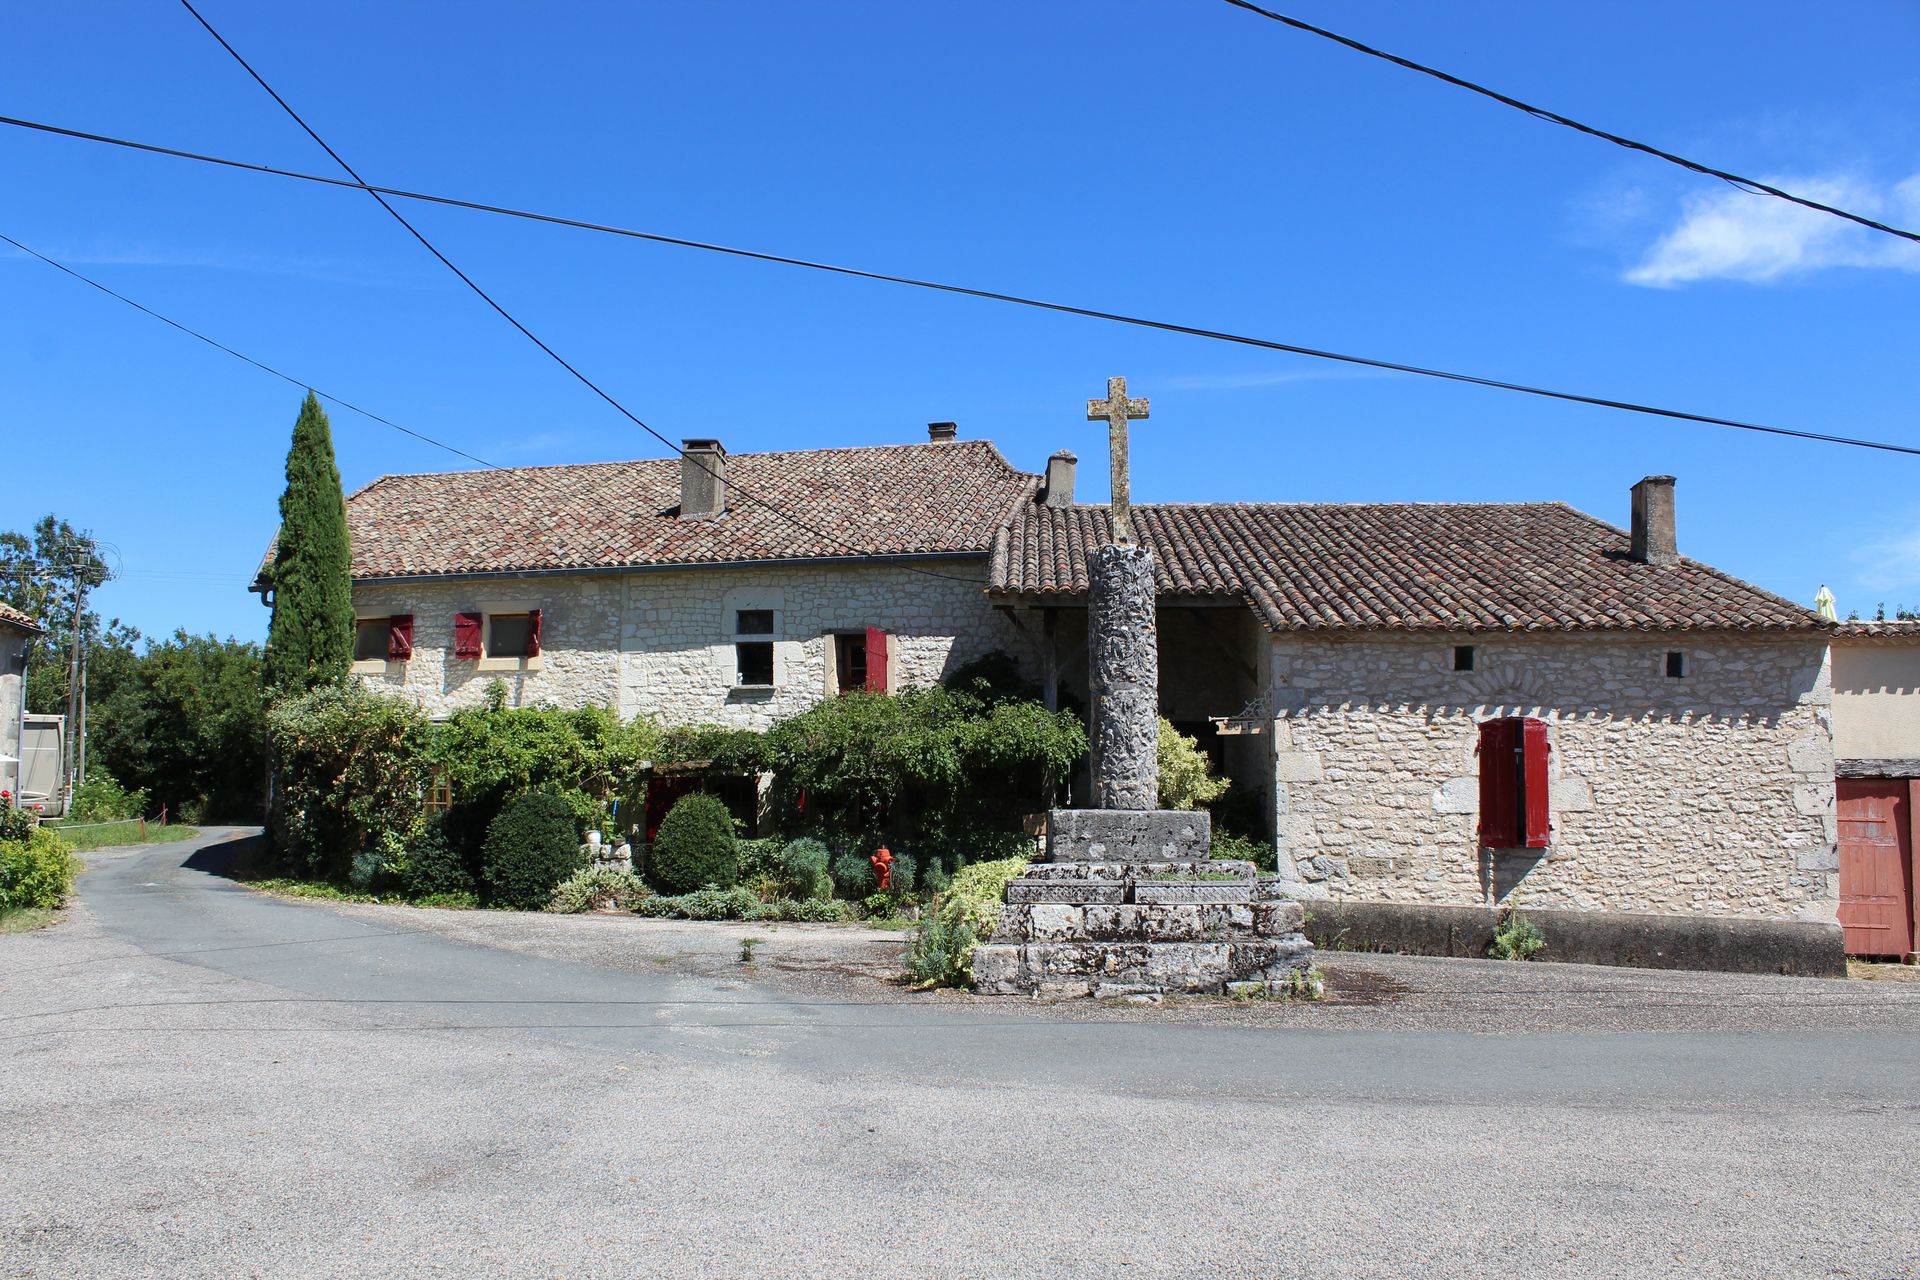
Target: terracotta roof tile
{"x": 894, "y": 500}
{"x": 13, "y": 617}
{"x": 1383, "y": 566}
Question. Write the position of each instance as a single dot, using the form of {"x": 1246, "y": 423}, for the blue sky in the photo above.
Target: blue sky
{"x": 1177, "y": 159}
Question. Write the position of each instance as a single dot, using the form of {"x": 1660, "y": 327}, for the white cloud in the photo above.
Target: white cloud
{"x": 1737, "y": 235}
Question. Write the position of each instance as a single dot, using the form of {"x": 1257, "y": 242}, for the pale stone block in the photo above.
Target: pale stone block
{"x": 1570, "y": 795}
{"x": 1457, "y": 795}
{"x": 1814, "y": 799}
{"x": 1298, "y": 766}
{"x": 1811, "y": 754}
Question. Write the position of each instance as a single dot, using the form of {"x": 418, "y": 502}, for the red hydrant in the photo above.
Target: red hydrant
{"x": 883, "y": 868}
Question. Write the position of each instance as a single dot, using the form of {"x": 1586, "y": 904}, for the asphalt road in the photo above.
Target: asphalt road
{"x": 196, "y": 1080}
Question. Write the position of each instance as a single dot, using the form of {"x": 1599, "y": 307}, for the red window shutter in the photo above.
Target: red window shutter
{"x": 533, "y": 634}
{"x": 400, "y": 637}
{"x": 466, "y": 635}
{"x": 1499, "y": 784}
{"x": 876, "y": 660}
{"x": 1533, "y": 783}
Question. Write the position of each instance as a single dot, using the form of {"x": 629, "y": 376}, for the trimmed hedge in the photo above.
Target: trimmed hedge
{"x": 530, "y": 849}
{"x": 433, "y": 865}
{"x": 37, "y": 871}
{"x": 695, "y": 847}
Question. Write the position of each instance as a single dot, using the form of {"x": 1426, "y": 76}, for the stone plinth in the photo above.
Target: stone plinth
{"x": 1123, "y": 668}
{"x": 1127, "y": 835}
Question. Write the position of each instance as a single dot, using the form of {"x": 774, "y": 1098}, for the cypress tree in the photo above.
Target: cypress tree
{"x": 310, "y": 640}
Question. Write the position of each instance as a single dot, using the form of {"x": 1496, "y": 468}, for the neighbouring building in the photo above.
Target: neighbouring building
{"x": 1446, "y": 704}
{"x": 17, "y": 631}
{"x": 1876, "y": 744}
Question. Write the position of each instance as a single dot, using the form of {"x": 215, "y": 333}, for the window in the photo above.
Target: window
{"x": 753, "y": 658}
{"x": 1513, "y": 784}
{"x": 1676, "y": 665}
{"x": 860, "y": 660}
{"x": 510, "y": 635}
{"x": 370, "y": 640}
{"x": 1463, "y": 657}
{"x": 439, "y": 795}
{"x": 383, "y": 640}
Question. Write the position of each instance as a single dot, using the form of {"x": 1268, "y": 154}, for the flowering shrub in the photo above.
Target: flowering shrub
{"x": 37, "y": 871}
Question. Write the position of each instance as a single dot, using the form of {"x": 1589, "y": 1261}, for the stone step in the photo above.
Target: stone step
{"x": 1079, "y": 968}
{"x": 1141, "y": 870}
{"x": 1147, "y": 922}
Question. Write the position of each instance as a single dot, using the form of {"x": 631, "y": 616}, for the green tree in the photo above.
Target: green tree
{"x": 185, "y": 722}
{"x": 310, "y": 640}
{"x": 39, "y": 572}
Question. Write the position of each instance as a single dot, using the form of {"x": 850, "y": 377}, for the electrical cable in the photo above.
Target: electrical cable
{"x": 267, "y": 368}
{"x": 1751, "y": 185}
{"x": 1215, "y": 335}
{"x": 590, "y": 384}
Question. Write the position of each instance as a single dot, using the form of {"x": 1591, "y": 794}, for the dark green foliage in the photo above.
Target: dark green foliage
{"x": 935, "y": 770}
{"x": 695, "y": 847}
{"x": 433, "y": 864}
{"x": 853, "y": 876}
{"x": 804, "y": 869}
{"x": 993, "y": 677}
{"x": 310, "y": 640}
{"x": 16, "y": 823}
{"x": 1261, "y": 853}
{"x": 101, "y": 799}
{"x": 530, "y": 849}
{"x": 185, "y": 722}
{"x": 940, "y": 948}
{"x": 723, "y": 750}
{"x": 351, "y": 765}
{"x": 759, "y": 860}
{"x": 39, "y": 572}
{"x": 1241, "y": 811}
{"x": 714, "y": 903}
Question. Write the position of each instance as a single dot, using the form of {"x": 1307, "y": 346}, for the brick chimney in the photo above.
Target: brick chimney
{"x": 1653, "y": 536}
{"x": 938, "y": 431}
{"x": 703, "y": 479}
{"x": 1060, "y": 471}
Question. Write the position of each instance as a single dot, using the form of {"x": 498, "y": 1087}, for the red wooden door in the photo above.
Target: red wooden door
{"x": 1876, "y": 866}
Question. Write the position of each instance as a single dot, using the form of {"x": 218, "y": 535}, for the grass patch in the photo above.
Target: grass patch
{"x": 286, "y": 887}
{"x": 27, "y": 919}
{"x": 114, "y": 834}
{"x": 1882, "y": 970}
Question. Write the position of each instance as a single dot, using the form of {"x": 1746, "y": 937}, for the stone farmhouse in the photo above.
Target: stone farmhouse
{"x": 1442, "y": 704}
{"x": 17, "y": 631}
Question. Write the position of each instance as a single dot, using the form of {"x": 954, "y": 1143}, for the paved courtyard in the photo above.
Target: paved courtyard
{"x": 198, "y": 1080}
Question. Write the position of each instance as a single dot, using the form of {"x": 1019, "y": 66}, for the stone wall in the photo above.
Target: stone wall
{"x": 1710, "y": 794}
{"x": 661, "y": 643}
{"x": 13, "y": 649}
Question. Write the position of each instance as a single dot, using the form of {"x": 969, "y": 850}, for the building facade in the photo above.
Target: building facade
{"x": 17, "y": 631}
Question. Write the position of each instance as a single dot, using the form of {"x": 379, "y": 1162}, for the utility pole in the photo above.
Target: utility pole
{"x": 73, "y": 693}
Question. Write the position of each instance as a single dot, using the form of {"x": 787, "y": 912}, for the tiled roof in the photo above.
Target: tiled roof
{"x": 1900, "y": 629}
{"x": 1382, "y": 566}
{"x": 13, "y": 617}
{"x": 893, "y": 500}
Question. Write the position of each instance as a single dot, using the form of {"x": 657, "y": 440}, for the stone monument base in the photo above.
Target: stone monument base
{"x": 1129, "y": 904}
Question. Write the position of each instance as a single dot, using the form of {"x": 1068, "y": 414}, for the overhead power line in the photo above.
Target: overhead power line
{"x": 1164, "y": 326}
{"x": 1753, "y": 185}
{"x": 238, "y": 355}
{"x": 584, "y": 380}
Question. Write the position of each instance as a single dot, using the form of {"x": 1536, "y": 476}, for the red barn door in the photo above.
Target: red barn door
{"x": 1876, "y": 866}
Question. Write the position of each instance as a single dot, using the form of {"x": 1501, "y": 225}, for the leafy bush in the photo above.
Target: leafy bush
{"x": 1242, "y": 811}
{"x": 349, "y": 764}
{"x": 929, "y": 768}
{"x": 708, "y": 902}
{"x": 1516, "y": 938}
{"x": 940, "y": 950}
{"x": 695, "y": 846}
{"x": 16, "y": 823}
{"x": 37, "y": 871}
{"x": 433, "y": 866}
{"x": 804, "y": 869}
{"x": 530, "y": 848}
{"x": 1187, "y": 779}
{"x": 1261, "y": 853}
{"x": 101, "y": 799}
{"x": 759, "y": 859}
{"x": 597, "y": 888}
{"x": 853, "y": 875}
{"x": 803, "y": 910}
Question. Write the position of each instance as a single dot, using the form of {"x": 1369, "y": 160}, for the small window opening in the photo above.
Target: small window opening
{"x": 850, "y": 658}
{"x": 1463, "y": 657}
{"x": 753, "y": 622}
{"x": 509, "y": 635}
{"x": 370, "y": 638}
{"x": 1676, "y": 665}
{"x": 754, "y": 663}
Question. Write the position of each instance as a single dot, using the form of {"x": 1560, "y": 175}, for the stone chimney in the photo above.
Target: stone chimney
{"x": 1653, "y": 536}
{"x": 938, "y": 431}
{"x": 1060, "y": 470}
{"x": 703, "y": 479}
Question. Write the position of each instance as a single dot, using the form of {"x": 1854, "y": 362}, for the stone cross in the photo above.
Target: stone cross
{"x": 1116, "y": 409}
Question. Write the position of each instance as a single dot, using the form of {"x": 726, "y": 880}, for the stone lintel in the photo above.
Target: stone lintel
{"x": 1128, "y": 835}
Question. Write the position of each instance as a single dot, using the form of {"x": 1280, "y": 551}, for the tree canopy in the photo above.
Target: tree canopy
{"x": 310, "y": 640}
